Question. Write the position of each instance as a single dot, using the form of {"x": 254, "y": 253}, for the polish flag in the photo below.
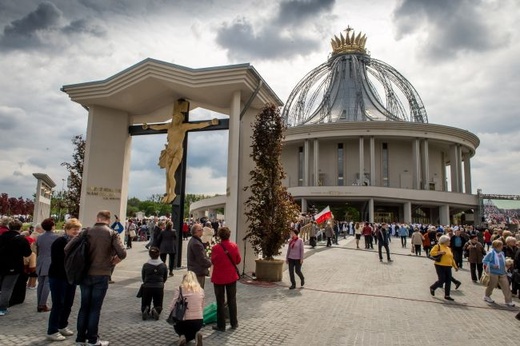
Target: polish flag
{"x": 323, "y": 215}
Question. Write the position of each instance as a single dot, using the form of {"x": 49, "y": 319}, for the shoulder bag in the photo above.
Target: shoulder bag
{"x": 230, "y": 259}
{"x": 438, "y": 257}
{"x": 179, "y": 309}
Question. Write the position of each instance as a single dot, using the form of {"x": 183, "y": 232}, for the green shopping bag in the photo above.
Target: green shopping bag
{"x": 209, "y": 314}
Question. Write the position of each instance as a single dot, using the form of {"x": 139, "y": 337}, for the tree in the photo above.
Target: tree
{"x": 73, "y": 193}
{"x": 270, "y": 208}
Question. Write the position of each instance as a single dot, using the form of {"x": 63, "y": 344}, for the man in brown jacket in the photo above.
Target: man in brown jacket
{"x": 105, "y": 250}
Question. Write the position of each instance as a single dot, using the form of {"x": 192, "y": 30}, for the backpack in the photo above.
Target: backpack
{"x": 77, "y": 260}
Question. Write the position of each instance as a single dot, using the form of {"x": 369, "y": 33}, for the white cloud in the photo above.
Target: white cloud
{"x": 472, "y": 83}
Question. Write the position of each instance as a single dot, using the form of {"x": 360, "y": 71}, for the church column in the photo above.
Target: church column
{"x": 316, "y": 161}
{"x": 306, "y": 162}
{"x": 303, "y": 205}
{"x": 107, "y": 145}
{"x": 371, "y": 210}
{"x": 454, "y": 169}
{"x": 425, "y": 165}
{"x": 234, "y": 169}
{"x": 407, "y": 217}
{"x": 416, "y": 152}
{"x": 467, "y": 173}
{"x": 361, "y": 160}
{"x": 444, "y": 214}
{"x": 372, "y": 161}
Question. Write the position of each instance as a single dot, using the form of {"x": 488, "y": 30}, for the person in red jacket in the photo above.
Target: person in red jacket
{"x": 224, "y": 257}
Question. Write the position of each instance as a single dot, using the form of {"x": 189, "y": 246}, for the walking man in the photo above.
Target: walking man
{"x": 198, "y": 261}
{"x": 382, "y": 237}
{"x": 103, "y": 244}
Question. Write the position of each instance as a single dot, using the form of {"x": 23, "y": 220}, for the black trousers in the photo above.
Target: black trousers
{"x": 188, "y": 328}
{"x": 476, "y": 271}
{"x": 223, "y": 292}
{"x": 443, "y": 278}
{"x": 295, "y": 265}
{"x": 457, "y": 256}
{"x": 417, "y": 250}
{"x": 152, "y": 293}
{"x": 171, "y": 260}
{"x": 380, "y": 246}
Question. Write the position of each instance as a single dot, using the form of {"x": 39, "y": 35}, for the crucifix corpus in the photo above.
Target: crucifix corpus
{"x": 171, "y": 155}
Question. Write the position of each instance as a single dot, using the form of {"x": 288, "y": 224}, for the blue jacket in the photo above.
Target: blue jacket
{"x": 490, "y": 261}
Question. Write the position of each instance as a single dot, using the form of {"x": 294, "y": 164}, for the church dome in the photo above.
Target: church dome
{"x": 352, "y": 86}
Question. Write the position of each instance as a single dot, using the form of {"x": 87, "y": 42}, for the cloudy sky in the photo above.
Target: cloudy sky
{"x": 462, "y": 56}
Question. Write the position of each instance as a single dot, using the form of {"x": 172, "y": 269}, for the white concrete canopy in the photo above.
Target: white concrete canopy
{"x": 146, "y": 92}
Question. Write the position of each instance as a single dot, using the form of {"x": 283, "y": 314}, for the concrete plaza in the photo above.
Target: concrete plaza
{"x": 350, "y": 298}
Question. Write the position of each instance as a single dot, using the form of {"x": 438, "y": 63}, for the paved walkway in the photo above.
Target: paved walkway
{"x": 350, "y": 298}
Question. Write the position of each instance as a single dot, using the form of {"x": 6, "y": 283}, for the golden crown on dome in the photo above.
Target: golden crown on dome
{"x": 349, "y": 43}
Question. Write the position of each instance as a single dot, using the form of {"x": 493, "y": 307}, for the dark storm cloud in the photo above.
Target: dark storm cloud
{"x": 452, "y": 26}
{"x": 45, "y": 17}
{"x": 37, "y": 28}
{"x": 81, "y": 26}
{"x": 283, "y": 36}
{"x": 294, "y": 11}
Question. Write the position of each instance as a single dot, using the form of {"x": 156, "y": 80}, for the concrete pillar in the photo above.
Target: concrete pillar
{"x": 467, "y": 173}
{"x": 444, "y": 214}
{"x": 372, "y": 161}
{"x": 416, "y": 170}
{"x": 233, "y": 168}
{"x": 306, "y": 162}
{"x": 361, "y": 160}
{"x": 407, "y": 212}
{"x": 316, "y": 162}
{"x": 304, "y": 205}
{"x": 443, "y": 173}
{"x": 107, "y": 164}
{"x": 454, "y": 169}
{"x": 42, "y": 202}
{"x": 459, "y": 167}
{"x": 371, "y": 210}
{"x": 425, "y": 165}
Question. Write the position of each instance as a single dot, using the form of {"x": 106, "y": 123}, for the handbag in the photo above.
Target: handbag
{"x": 230, "y": 259}
{"x": 484, "y": 279}
{"x": 140, "y": 292}
{"x": 179, "y": 309}
{"x": 438, "y": 257}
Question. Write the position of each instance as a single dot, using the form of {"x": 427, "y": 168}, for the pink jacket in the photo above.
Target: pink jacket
{"x": 195, "y": 303}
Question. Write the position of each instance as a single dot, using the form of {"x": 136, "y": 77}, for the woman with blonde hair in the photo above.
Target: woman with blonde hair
{"x": 495, "y": 266}
{"x": 443, "y": 266}
{"x": 62, "y": 293}
{"x": 189, "y": 328}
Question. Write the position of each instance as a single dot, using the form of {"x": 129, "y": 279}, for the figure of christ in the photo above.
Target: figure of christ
{"x": 171, "y": 155}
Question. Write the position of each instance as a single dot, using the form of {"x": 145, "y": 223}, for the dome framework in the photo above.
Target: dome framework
{"x": 345, "y": 88}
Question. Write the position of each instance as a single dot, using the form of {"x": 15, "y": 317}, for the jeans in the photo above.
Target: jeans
{"x": 62, "y": 295}
{"x": 222, "y": 292}
{"x": 295, "y": 264}
{"x": 457, "y": 256}
{"x": 443, "y": 278}
{"x": 93, "y": 291}
{"x": 42, "y": 291}
{"x": 403, "y": 240}
{"x": 7, "y": 283}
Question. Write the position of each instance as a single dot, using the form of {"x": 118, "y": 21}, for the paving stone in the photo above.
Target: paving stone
{"x": 350, "y": 298}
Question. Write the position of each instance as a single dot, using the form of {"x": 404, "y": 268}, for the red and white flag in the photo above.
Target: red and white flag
{"x": 323, "y": 215}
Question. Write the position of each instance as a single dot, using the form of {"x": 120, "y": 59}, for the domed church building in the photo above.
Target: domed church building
{"x": 358, "y": 136}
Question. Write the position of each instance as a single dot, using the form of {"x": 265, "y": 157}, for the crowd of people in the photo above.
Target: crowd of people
{"x": 43, "y": 252}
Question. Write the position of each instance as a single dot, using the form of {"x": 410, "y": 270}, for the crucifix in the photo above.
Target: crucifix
{"x": 172, "y": 157}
